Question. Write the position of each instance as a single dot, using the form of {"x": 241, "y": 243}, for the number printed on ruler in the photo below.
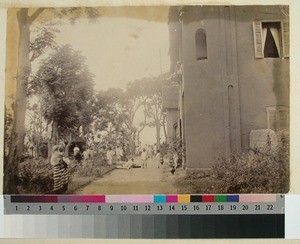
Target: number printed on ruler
{"x": 142, "y": 208}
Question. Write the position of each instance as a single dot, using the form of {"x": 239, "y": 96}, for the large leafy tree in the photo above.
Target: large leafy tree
{"x": 28, "y": 51}
{"x": 65, "y": 87}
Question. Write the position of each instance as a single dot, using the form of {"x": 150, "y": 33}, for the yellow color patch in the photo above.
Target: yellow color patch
{"x": 184, "y": 198}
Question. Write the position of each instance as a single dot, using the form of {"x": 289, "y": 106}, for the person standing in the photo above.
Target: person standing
{"x": 109, "y": 156}
{"x": 77, "y": 154}
{"x": 76, "y": 150}
{"x": 119, "y": 153}
{"x": 144, "y": 158}
{"x": 159, "y": 159}
{"x": 60, "y": 169}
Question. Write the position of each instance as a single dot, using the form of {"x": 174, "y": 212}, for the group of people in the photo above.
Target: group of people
{"x": 60, "y": 162}
{"x": 85, "y": 155}
{"x": 148, "y": 148}
{"x": 118, "y": 152}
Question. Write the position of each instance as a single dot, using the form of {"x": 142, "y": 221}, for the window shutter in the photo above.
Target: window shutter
{"x": 286, "y": 38}
{"x": 257, "y": 34}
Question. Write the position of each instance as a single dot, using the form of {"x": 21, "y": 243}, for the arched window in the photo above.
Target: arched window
{"x": 201, "y": 47}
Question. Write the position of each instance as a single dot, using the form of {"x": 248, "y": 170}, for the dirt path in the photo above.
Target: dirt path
{"x": 151, "y": 180}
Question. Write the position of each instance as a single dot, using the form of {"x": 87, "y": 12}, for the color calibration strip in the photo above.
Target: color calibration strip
{"x": 144, "y": 204}
{"x": 139, "y": 198}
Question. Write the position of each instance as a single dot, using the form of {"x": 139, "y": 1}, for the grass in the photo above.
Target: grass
{"x": 79, "y": 181}
{"x": 192, "y": 184}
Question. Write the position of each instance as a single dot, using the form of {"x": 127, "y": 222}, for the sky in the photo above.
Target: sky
{"x": 120, "y": 50}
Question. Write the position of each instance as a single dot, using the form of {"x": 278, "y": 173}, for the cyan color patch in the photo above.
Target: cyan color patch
{"x": 159, "y": 198}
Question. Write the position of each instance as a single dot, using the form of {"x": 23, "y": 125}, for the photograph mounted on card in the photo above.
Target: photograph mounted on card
{"x": 147, "y": 100}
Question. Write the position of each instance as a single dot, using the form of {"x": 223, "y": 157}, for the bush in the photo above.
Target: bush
{"x": 253, "y": 172}
{"x": 90, "y": 168}
{"x": 35, "y": 176}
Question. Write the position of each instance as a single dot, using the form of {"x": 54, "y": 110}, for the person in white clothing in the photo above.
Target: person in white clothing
{"x": 109, "y": 156}
{"x": 119, "y": 153}
{"x": 76, "y": 150}
{"x": 144, "y": 158}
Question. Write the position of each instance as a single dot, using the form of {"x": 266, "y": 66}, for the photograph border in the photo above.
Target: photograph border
{"x": 294, "y": 62}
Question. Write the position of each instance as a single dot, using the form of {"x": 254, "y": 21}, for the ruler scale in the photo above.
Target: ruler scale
{"x": 154, "y": 216}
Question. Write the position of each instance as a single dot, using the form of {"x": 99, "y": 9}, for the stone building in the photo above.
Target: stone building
{"x": 233, "y": 64}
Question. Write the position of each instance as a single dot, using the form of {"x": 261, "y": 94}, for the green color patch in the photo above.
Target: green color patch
{"x": 220, "y": 199}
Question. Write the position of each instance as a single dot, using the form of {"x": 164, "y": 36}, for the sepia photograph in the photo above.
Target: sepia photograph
{"x": 187, "y": 99}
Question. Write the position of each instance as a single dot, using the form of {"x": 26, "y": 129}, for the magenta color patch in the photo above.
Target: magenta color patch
{"x": 79, "y": 199}
{"x": 171, "y": 198}
{"x": 93, "y": 198}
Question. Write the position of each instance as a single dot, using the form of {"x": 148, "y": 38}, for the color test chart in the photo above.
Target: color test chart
{"x": 144, "y": 216}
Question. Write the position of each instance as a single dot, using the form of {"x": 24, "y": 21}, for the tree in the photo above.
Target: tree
{"x": 151, "y": 90}
{"x": 7, "y": 131}
{"x": 142, "y": 125}
{"x": 113, "y": 115}
{"x": 38, "y": 127}
{"x": 155, "y": 114}
{"x": 27, "y": 52}
{"x": 65, "y": 88}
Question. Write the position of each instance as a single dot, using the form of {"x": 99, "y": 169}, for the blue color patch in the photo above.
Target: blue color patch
{"x": 233, "y": 198}
{"x": 159, "y": 198}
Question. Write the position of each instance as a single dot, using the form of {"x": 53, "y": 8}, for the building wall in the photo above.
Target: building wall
{"x": 263, "y": 82}
{"x": 226, "y": 95}
{"x": 172, "y": 118}
{"x": 170, "y": 94}
{"x": 203, "y": 91}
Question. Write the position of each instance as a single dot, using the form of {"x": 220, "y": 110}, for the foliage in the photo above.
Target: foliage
{"x": 42, "y": 39}
{"x": 91, "y": 168}
{"x": 193, "y": 183}
{"x": 28, "y": 50}
{"x": 35, "y": 176}
{"x": 65, "y": 88}
{"x": 250, "y": 172}
{"x": 176, "y": 147}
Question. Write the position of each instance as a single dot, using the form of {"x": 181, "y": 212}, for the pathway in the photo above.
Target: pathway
{"x": 151, "y": 180}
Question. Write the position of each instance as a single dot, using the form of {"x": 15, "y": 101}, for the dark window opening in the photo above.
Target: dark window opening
{"x": 271, "y": 37}
{"x": 201, "y": 47}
